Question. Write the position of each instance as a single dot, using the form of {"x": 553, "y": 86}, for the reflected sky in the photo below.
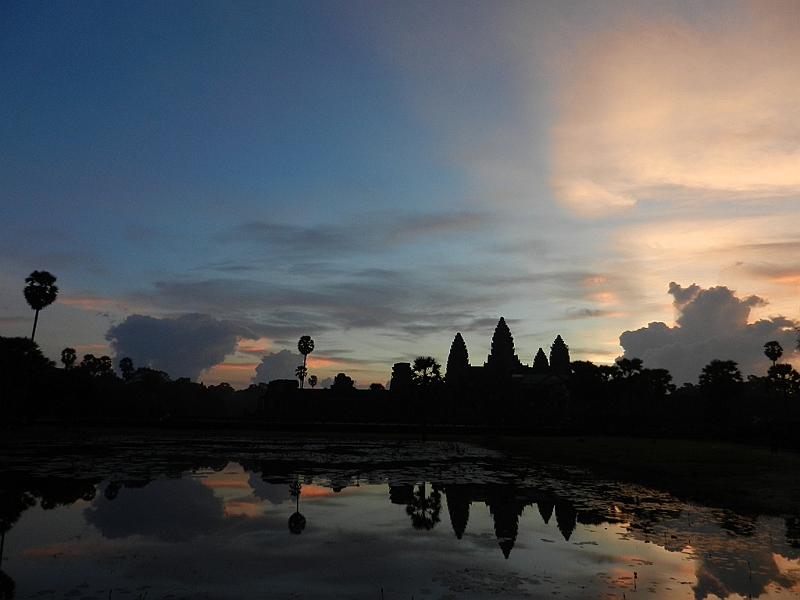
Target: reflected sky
{"x": 171, "y": 518}
{"x": 225, "y": 534}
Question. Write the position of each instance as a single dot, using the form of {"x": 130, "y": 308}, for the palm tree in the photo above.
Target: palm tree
{"x": 312, "y": 381}
{"x": 427, "y": 371}
{"x": 720, "y": 382}
{"x": 774, "y": 351}
{"x": 40, "y": 291}
{"x": 301, "y": 372}
{"x": 424, "y": 510}
{"x": 306, "y": 346}
{"x": 68, "y": 357}
{"x": 297, "y": 522}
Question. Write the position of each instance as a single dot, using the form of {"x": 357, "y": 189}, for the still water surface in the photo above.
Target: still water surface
{"x": 248, "y": 518}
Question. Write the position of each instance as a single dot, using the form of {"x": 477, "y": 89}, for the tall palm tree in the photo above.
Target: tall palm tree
{"x": 40, "y": 291}
{"x": 306, "y": 346}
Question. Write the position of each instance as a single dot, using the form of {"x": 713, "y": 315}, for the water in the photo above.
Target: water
{"x": 117, "y": 517}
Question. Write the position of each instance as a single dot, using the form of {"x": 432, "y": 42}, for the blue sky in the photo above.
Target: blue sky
{"x": 382, "y": 175}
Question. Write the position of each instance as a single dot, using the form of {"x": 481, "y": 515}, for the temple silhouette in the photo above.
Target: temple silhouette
{"x": 503, "y": 387}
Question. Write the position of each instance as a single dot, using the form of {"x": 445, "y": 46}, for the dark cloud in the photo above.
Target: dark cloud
{"x": 182, "y": 346}
{"x": 402, "y": 301}
{"x": 712, "y": 323}
{"x": 277, "y": 365}
{"x": 366, "y": 232}
{"x": 177, "y": 510}
{"x": 586, "y": 313}
{"x": 271, "y": 492}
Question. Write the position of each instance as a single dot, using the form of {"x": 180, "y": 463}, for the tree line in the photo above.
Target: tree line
{"x": 621, "y": 395}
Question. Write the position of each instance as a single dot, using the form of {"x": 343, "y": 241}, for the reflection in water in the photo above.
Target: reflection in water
{"x": 297, "y": 522}
{"x": 171, "y": 522}
{"x": 176, "y": 510}
{"x": 423, "y": 509}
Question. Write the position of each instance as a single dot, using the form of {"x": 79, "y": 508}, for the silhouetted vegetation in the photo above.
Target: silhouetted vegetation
{"x": 40, "y": 292}
{"x": 305, "y": 345}
{"x": 551, "y": 394}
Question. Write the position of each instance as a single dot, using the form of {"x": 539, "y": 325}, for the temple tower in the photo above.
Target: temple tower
{"x": 502, "y": 359}
{"x": 559, "y": 357}
{"x": 540, "y": 364}
{"x": 457, "y": 362}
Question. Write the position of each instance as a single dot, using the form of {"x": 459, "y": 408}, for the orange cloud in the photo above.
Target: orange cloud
{"x": 234, "y": 367}
{"x": 97, "y": 304}
{"x": 237, "y": 374}
{"x": 319, "y": 362}
{"x": 656, "y": 108}
{"x": 258, "y": 347}
{"x": 242, "y": 508}
{"x": 314, "y": 491}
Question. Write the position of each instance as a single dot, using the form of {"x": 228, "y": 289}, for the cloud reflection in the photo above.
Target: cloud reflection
{"x": 172, "y": 510}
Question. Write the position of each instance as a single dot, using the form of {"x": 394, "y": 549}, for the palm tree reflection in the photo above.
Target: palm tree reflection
{"x": 297, "y": 522}
{"x": 424, "y": 510}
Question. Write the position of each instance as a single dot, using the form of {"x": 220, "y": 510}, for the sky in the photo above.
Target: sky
{"x": 209, "y": 181}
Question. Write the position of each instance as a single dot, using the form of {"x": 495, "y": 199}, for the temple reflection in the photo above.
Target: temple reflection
{"x": 166, "y": 500}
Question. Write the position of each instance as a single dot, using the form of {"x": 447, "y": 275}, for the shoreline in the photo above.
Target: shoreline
{"x": 747, "y": 478}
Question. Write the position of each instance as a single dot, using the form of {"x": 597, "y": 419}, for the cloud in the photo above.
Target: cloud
{"x": 271, "y": 492}
{"x": 372, "y": 232}
{"x": 177, "y": 510}
{"x": 183, "y": 346}
{"x": 712, "y": 324}
{"x": 277, "y": 365}
{"x": 663, "y": 108}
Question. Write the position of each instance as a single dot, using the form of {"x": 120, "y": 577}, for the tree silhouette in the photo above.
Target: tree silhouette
{"x": 305, "y": 346}
{"x": 720, "y": 373}
{"x": 773, "y": 351}
{"x": 608, "y": 372}
{"x": 629, "y": 367}
{"x": 312, "y": 381}
{"x": 720, "y": 380}
{"x": 786, "y": 379}
{"x": 69, "y": 357}
{"x": 376, "y": 387}
{"x": 301, "y": 372}
{"x": 424, "y": 510}
{"x": 426, "y": 374}
{"x": 40, "y": 292}
{"x": 126, "y": 368}
{"x": 297, "y": 522}
{"x": 97, "y": 366}
{"x": 427, "y": 371}
{"x": 342, "y": 383}
{"x": 659, "y": 381}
